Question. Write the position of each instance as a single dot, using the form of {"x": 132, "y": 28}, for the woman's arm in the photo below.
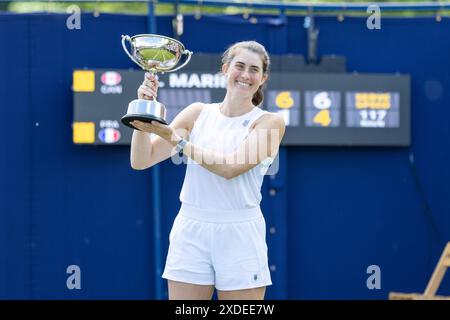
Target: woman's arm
{"x": 262, "y": 142}
{"x": 146, "y": 151}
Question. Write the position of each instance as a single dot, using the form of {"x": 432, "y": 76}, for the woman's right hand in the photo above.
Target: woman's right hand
{"x": 149, "y": 87}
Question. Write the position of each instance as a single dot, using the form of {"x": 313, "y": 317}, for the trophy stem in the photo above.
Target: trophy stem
{"x": 152, "y": 72}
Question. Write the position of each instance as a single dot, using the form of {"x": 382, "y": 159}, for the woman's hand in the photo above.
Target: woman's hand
{"x": 149, "y": 87}
{"x": 162, "y": 130}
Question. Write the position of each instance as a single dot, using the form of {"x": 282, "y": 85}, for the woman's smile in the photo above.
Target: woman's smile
{"x": 243, "y": 84}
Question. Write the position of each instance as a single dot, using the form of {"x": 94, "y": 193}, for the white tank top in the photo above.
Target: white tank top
{"x": 204, "y": 189}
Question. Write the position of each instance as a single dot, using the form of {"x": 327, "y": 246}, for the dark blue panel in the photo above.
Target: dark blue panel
{"x": 350, "y": 211}
{"x": 92, "y": 209}
{"x": 15, "y": 166}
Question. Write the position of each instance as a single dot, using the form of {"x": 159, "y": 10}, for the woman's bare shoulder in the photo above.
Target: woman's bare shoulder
{"x": 270, "y": 120}
{"x": 194, "y": 110}
{"x": 186, "y": 118}
{"x": 196, "y": 107}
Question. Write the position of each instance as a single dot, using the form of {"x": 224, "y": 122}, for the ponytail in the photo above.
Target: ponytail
{"x": 258, "y": 97}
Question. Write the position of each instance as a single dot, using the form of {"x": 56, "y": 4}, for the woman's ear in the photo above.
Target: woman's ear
{"x": 224, "y": 68}
{"x": 264, "y": 78}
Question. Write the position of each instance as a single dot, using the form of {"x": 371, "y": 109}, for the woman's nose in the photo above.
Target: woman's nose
{"x": 245, "y": 74}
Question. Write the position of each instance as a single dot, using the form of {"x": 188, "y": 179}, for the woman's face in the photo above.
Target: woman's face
{"x": 244, "y": 73}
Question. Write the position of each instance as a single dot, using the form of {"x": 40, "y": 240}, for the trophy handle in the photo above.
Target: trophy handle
{"x": 189, "y": 55}
{"x": 127, "y": 38}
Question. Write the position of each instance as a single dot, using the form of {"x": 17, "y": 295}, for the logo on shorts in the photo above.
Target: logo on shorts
{"x": 255, "y": 277}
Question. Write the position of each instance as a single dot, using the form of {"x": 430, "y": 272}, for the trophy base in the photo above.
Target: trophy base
{"x": 126, "y": 119}
{"x": 144, "y": 110}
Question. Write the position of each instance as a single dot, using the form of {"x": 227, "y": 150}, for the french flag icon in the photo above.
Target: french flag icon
{"x": 109, "y": 135}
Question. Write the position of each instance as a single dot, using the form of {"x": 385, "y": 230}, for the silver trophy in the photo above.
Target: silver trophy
{"x": 153, "y": 53}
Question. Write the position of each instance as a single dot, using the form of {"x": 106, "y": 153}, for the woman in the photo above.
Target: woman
{"x": 218, "y": 237}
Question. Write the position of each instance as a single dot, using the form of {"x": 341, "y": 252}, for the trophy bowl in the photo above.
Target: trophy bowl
{"x": 153, "y": 53}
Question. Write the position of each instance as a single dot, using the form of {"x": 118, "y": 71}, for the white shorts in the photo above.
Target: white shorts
{"x": 226, "y": 249}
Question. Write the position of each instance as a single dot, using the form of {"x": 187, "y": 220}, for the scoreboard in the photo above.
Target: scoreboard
{"x": 342, "y": 109}
{"x": 319, "y": 109}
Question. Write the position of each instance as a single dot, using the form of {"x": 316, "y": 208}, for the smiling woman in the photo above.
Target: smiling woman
{"x": 258, "y": 65}
{"x": 218, "y": 237}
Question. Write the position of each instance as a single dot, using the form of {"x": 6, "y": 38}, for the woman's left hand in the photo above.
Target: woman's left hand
{"x": 162, "y": 130}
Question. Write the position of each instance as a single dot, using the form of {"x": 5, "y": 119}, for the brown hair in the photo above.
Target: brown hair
{"x": 257, "y": 48}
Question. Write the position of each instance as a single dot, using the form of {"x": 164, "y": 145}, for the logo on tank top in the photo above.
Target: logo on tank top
{"x": 245, "y": 123}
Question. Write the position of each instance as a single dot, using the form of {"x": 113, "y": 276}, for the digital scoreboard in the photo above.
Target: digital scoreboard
{"x": 342, "y": 109}
{"x": 319, "y": 109}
